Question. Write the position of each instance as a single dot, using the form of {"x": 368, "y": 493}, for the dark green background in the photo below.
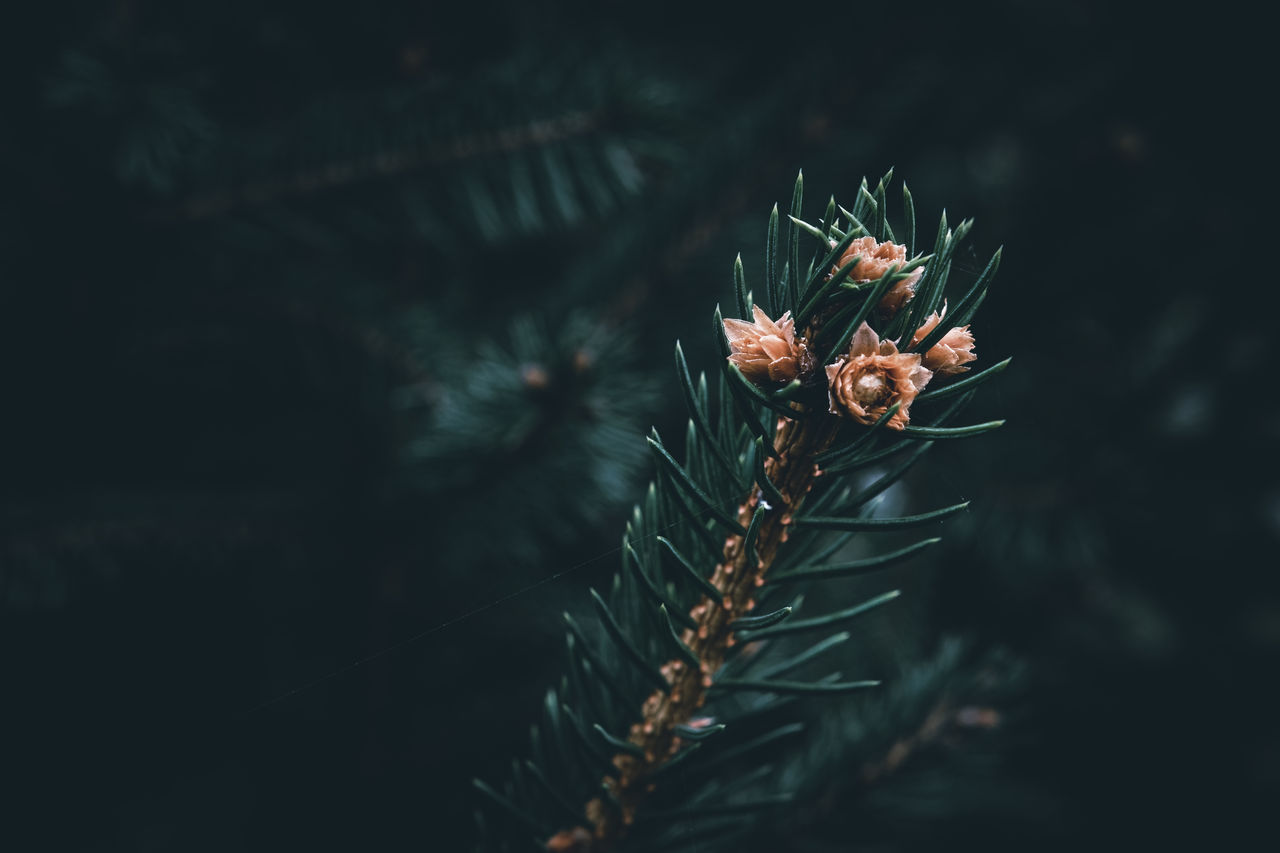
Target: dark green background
{"x": 205, "y": 500}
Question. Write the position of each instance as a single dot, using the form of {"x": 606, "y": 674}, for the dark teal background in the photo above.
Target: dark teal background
{"x": 205, "y": 503}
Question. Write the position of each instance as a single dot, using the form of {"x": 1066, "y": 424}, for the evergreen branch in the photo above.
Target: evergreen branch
{"x": 771, "y": 442}
{"x": 746, "y": 557}
{"x": 386, "y": 164}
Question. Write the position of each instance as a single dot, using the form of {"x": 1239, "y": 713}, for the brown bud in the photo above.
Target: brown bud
{"x": 766, "y": 351}
{"x": 875, "y": 260}
{"x": 874, "y": 376}
{"x": 949, "y": 355}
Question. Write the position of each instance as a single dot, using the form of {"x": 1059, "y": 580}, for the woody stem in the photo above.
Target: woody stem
{"x": 736, "y": 578}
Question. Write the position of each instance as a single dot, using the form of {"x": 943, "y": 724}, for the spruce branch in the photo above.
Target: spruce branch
{"x": 389, "y": 163}
{"x": 740, "y": 572}
{"x": 760, "y": 501}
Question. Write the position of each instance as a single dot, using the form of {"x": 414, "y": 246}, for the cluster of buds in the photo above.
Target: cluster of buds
{"x": 874, "y": 374}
